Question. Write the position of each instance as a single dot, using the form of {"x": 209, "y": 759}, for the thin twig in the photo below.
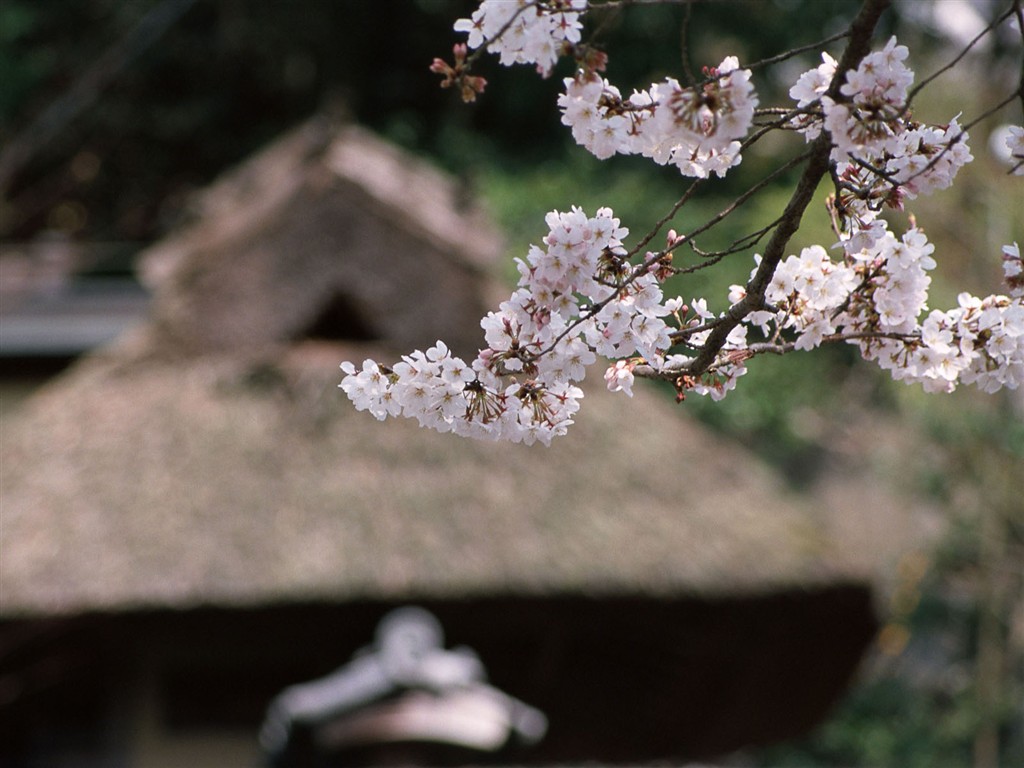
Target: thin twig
{"x": 721, "y": 215}
{"x": 956, "y": 60}
{"x": 653, "y": 232}
{"x": 684, "y": 46}
{"x": 744, "y": 243}
{"x": 797, "y": 51}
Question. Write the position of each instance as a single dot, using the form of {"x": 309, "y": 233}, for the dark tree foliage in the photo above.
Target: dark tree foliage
{"x": 228, "y": 76}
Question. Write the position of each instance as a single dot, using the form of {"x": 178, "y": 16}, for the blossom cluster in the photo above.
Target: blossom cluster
{"x": 578, "y": 296}
{"x": 1013, "y": 270}
{"x": 581, "y": 296}
{"x": 875, "y": 298}
{"x": 697, "y": 129}
{"x": 525, "y": 31}
{"x": 881, "y": 155}
{"x": 1015, "y": 145}
{"x": 721, "y": 378}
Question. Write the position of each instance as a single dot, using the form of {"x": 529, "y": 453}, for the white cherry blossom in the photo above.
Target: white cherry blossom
{"x": 524, "y": 31}
{"x": 697, "y": 129}
{"x": 1015, "y": 145}
{"x": 582, "y": 295}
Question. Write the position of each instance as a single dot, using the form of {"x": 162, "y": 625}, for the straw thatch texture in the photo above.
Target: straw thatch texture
{"x": 211, "y": 460}
{"x": 324, "y": 214}
{"x": 228, "y": 482}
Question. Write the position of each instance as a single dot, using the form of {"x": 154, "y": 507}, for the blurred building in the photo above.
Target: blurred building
{"x": 194, "y": 518}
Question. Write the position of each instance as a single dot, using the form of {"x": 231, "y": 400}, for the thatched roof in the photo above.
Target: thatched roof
{"x": 232, "y": 482}
{"x": 210, "y": 459}
{"x": 326, "y": 219}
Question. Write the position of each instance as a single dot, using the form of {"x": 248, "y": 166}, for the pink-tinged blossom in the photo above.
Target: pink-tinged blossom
{"x": 806, "y": 291}
{"x": 1015, "y": 145}
{"x": 619, "y": 377}
{"x": 875, "y": 298}
{"x": 696, "y": 129}
{"x": 928, "y": 158}
{"x": 580, "y": 296}
{"x": 881, "y": 77}
{"x": 524, "y": 31}
{"x": 1013, "y": 270}
{"x": 882, "y": 157}
{"x": 577, "y": 297}
{"x": 810, "y": 87}
{"x": 979, "y": 342}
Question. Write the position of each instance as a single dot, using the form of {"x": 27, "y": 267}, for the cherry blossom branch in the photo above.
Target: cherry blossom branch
{"x": 867, "y": 193}
{"x": 755, "y": 349}
{"x": 786, "y": 55}
{"x": 861, "y": 31}
{"x": 581, "y": 295}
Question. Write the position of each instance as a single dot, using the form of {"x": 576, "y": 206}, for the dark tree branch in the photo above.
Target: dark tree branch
{"x": 861, "y": 32}
{"x": 773, "y": 348}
